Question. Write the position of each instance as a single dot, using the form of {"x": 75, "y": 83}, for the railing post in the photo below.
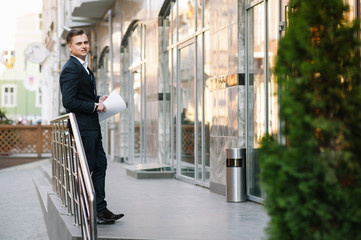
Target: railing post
{"x": 39, "y": 140}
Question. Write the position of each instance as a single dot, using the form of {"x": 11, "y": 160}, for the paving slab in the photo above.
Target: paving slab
{"x": 170, "y": 209}
{"x": 21, "y": 215}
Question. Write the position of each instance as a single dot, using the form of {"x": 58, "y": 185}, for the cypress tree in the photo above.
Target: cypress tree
{"x": 313, "y": 182}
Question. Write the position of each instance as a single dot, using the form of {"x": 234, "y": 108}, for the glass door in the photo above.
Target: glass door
{"x": 186, "y": 46}
{"x": 203, "y": 117}
{"x": 137, "y": 119}
{"x": 186, "y": 130}
{"x": 265, "y": 20}
{"x": 256, "y": 93}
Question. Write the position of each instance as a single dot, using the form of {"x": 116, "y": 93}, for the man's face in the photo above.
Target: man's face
{"x": 79, "y": 46}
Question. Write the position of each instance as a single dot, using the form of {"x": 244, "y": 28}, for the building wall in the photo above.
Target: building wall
{"x": 50, "y": 67}
{"x": 227, "y": 54}
{"x": 27, "y": 32}
{"x": 226, "y": 101}
{"x": 234, "y": 103}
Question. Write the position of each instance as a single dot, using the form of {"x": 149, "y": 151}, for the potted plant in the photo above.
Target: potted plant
{"x": 313, "y": 182}
{"x": 8, "y": 137}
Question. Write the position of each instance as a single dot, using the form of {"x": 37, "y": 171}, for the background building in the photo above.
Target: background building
{"x": 20, "y": 82}
{"x": 196, "y": 75}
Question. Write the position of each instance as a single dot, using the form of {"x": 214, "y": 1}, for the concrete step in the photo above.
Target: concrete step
{"x": 59, "y": 223}
{"x": 150, "y": 171}
{"x": 45, "y": 168}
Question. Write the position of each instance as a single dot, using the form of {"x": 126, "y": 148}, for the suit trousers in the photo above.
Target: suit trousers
{"x": 97, "y": 162}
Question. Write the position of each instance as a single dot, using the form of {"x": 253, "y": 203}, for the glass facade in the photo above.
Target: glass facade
{"x": 198, "y": 78}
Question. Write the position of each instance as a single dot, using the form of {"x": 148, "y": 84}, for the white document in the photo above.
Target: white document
{"x": 114, "y": 104}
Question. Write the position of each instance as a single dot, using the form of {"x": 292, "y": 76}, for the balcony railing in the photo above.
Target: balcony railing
{"x": 25, "y": 139}
{"x": 71, "y": 178}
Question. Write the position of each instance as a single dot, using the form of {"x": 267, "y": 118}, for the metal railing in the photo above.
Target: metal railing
{"x": 71, "y": 177}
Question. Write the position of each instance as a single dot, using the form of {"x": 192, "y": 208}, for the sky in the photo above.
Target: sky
{"x": 9, "y": 11}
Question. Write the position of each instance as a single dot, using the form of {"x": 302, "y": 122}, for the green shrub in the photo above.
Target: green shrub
{"x": 4, "y": 119}
{"x": 313, "y": 183}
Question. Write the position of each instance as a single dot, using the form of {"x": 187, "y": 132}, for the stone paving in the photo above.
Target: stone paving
{"x": 174, "y": 210}
{"x": 21, "y": 215}
{"x": 153, "y": 208}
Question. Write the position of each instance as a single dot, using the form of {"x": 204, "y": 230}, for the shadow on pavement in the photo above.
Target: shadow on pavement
{"x": 8, "y": 161}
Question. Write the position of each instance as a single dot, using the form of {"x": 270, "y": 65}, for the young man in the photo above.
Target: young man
{"x": 79, "y": 96}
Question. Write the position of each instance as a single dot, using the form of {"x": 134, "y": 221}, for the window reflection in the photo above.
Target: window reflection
{"x": 137, "y": 103}
{"x": 199, "y": 13}
{"x": 207, "y": 73}
{"x": 207, "y": 104}
{"x": 174, "y": 23}
{"x": 136, "y": 46}
{"x": 207, "y": 12}
{"x": 256, "y": 57}
{"x": 256, "y": 94}
{"x": 273, "y": 123}
{"x": 186, "y": 18}
{"x": 187, "y": 106}
{"x": 137, "y": 111}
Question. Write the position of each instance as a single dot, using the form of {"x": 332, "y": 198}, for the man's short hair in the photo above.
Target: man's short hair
{"x": 74, "y": 32}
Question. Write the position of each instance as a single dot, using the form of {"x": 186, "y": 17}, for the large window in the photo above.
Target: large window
{"x": 9, "y": 95}
{"x": 186, "y": 52}
{"x": 263, "y": 21}
{"x": 138, "y": 96}
{"x": 142, "y": 109}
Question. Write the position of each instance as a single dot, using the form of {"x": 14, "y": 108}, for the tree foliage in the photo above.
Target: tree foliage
{"x": 313, "y": 183}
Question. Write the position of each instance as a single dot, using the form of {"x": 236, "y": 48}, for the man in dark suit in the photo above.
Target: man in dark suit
{"x": 79, "y": 96}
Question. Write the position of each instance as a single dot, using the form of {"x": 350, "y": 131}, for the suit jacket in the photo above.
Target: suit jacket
{"x": 79, "y": 95}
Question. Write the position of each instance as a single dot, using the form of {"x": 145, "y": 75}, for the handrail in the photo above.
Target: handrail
{"x": 71, "y": 177}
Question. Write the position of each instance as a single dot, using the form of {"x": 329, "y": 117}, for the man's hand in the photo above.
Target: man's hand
{"x": 101, "y": 107}
{"x": 102, "y": 98}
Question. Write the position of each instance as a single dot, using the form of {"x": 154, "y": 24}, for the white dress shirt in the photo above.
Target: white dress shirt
{"x": 83, "y": 63}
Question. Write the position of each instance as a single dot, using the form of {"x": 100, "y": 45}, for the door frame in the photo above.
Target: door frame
{"x": 282, "y": 23}
{"x": 178, "y": 136}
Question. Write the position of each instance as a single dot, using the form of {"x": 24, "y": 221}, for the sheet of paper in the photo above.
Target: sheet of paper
{"x": 114, "y": 104}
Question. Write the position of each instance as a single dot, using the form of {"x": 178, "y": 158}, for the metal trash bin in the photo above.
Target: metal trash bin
{"x": 236, "y": 174}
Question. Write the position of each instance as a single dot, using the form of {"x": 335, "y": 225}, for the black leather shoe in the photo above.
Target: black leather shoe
{"x": 102, "y": 220}
{"x": 110, "y": 216}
